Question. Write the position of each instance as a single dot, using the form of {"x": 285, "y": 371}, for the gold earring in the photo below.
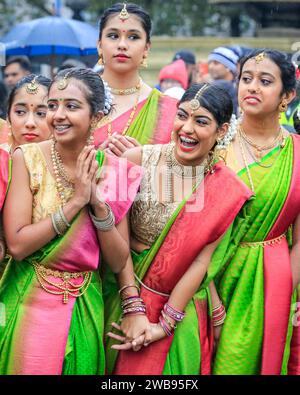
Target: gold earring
{"x": 100, "y": 60}
{"x": 283, "y": 106}
{"x": 144, "y": 63}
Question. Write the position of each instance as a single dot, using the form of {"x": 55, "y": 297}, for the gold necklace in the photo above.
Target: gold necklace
{"x": 245, "y": 161}
{"x": 61, "y": 176}
{"x": 126, "y": 91}
{"x": 129, "y": 121}
{"x": 196, "y": 173}
{"x": 258, "y": 149}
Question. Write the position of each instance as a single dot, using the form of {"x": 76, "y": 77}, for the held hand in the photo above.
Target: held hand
{"x": 118, "y": 144}
{"x": 134, "y": 326}
{"x": 157, "y": 333}
{"x": 85, "y": 169}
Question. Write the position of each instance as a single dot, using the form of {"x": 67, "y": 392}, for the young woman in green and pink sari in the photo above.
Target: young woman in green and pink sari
{"x": 56, "y": 222}
{"x": 26, "y": 120}
{"x": 140, "y": 115}
{"x": 260, "y": 267}
{"x": 187, "y": 200}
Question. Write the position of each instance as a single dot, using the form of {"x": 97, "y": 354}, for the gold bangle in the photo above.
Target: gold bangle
{"x": 129, "y": 286}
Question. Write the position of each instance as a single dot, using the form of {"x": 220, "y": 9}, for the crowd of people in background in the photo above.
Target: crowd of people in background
{"x": 118, "y": 252}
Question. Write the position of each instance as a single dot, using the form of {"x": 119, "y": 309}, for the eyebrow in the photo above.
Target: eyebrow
{"x": 67, "y": 99}
{"x": 262, "y": 73}
{"x": 196, "y": 116}
{"x": 25, "y": 104}
{"x": 128, "y": 31}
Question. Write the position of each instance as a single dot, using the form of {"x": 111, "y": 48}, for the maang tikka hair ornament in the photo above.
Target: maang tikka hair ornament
{"x": 260, "y": 57}
{"x": 195, "y": 103}
{"x": 124, "y": 13}
{"x": 32, "y": 87}
{"x": 63, "y": 83}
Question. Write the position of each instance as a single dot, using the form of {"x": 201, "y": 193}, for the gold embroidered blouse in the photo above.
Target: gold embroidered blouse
{"x": 148, "y": 216}
{"x": 46, "y": 199}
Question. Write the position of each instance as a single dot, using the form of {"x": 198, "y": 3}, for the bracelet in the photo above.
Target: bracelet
{"x": 106, "y": 224}
{"x": 60, "y": 209}
{"x": 129, "y": 286}
{"x": 165, "y": 317}
{"x": 218, "y": 315}
{"x": 173, "y": 313}
{"x": 58, "y": 223}
{"x": 164, "y": 326}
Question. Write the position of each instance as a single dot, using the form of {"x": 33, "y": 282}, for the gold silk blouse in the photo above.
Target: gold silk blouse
{"x": 46, "y": 199}
{"x": 148, "y": 216}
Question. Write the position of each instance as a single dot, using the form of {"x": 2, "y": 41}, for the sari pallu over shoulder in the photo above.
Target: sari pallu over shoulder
{"x": 255, "y": 283}
{"x": 169, "y": 258}
{"x": 152, "y": 124}
{"x": 4, "y": 174}
{"x": 41, "y": 334}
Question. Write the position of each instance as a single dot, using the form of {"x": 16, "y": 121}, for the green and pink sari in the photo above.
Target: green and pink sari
{"x": 39, "y": 334}
{"x": 189, "y": 350}
{"x": 255, "y": 280}
{"x": 152, "y": 124}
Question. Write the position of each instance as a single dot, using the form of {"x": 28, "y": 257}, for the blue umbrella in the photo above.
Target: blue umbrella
{"x": 51, "y": 36}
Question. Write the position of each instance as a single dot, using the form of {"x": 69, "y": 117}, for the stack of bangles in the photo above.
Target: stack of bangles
{"x": 168, "y": 313}
{"x": 59, "y": 222}
{"x": 132, "y": 305}
{"x": 218, "y": 315}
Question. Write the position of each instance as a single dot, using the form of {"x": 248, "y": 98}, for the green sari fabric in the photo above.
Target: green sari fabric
{"x": 144, "y": 124}
{"x": 240, "y": 281}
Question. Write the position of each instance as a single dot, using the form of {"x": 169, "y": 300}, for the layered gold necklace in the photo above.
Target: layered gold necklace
{"x": 61, "y": 176}
{"x": 258, "y": 150}
{"x": 279, "y": 140}
{"x": 122, "y": 92}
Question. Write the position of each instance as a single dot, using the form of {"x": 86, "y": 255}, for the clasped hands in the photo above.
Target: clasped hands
{"x": 136, "y": 332}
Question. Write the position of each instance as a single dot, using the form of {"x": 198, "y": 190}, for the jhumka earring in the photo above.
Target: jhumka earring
{"x": 195, "y": 103}
{"x": 90, "y": 140}
{"x": 283, "y": 106}
{"x": 100, "y": 60}
{"x": 63, "y": 83}
{"x": 32, "y": 87}
{"x": 124, "y": 13}
{"x": 144, "y": 62}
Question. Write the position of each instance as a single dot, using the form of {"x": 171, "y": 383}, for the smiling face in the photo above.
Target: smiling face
{"x": 260, "y": 87}
{"x": 195, "y": 134}
{"x": 69, "y": 113}
{"x": 27, "y": 116}
{"x": 123, "y": 43}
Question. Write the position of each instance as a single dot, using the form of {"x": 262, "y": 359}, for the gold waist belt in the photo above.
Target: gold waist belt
{"x": 66, "y": 287}
{"x": 257, "y": 244}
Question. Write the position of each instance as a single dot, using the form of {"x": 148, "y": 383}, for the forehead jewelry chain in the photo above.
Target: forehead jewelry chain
{"x": 124, "y": 13}
{"x": 32, "y": 87}
{"x": 260, "y": 57}
{"x": 195, "y": 103}
{"x": 63, "y": 83}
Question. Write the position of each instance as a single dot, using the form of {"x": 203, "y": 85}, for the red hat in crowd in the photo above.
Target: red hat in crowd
{"x": 175, "y": 71}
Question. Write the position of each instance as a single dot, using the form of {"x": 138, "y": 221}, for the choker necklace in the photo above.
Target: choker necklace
{"x": 196, "y": 173}
{"x": 127, "y": 91}
{"x": 61, "y": 177}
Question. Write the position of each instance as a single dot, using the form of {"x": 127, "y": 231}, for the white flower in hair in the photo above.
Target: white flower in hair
{"x": 298, "y": 112}
{"x": 108, "y": 101}
{"x": 229, "y": 136}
